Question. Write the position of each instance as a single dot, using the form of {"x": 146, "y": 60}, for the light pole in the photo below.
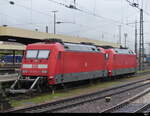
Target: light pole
{"x": 141, "y": 46}
{"x": 125, "y": 37}
{"x": 136, "y": 37}
{"x": 141, "y": 38}
{"x": 55, "y": 21}
{"x": 102, "y": 36}
{"x": 46, "y": 29}
{"x": 135, "y": 47}
{"x": 119, "y": 34}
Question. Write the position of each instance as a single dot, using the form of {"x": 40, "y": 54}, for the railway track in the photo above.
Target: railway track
{"x": 128, "y": 106}
{"x": 20, "y": 97}
{"x": 56, "y": 106}
{"x": 146, "y": 109}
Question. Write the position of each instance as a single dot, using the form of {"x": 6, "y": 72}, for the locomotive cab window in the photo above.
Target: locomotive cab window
{"x": 31, "y": 53}
{"x": 37, "y": 54}
{"x": 43, "y": 54}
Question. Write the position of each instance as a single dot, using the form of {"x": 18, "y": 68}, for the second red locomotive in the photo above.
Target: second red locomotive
{"x": 121, "y": 62}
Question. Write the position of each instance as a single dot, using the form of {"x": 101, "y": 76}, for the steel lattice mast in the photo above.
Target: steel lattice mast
{"x": 141, "y": 43}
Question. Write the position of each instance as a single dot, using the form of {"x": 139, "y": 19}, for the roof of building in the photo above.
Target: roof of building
{"x": 27, "y": 36}
{"x": 11, "y": 46}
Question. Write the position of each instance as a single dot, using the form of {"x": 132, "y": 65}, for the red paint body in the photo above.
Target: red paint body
{"x": 63, "y": 62}
{"x": 120, "y": 61}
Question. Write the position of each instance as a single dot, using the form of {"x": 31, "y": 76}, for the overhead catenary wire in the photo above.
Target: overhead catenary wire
{"x": 28, "y": 23}
{"x": 28, "y": 8}
{"x": 31, "y": 9}
{"x": 85, "y": 11}
{"x": 88, "y": 28}
{"x": 68, "y": 7}
{"x": 90, "y": 13}
{"x": 82, "y": 11}
{"x": 13, "y": 18}
{"x": 136, "y": 4}
{"x": 49, "y": 14}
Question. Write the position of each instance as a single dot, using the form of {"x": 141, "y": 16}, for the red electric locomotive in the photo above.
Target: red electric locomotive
{"x": 57, "y": 62}
{"x": 121, "y": 62}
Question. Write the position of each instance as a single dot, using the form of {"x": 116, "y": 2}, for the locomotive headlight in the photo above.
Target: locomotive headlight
{"x": 42, "y": 66}
{"x": 44, "y": 71}
{"x": 27, "y": 66}
{"x": 51, "y": 77}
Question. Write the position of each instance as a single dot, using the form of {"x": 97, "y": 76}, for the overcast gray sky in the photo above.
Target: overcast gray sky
{"x": 96, "y": 19}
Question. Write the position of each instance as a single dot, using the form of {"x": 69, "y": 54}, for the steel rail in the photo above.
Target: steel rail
{"x": 57, "y": 105}
{"x": 128, "y": 101}
{"x": 35, "y": 94}
{"x": 142, "y": 109}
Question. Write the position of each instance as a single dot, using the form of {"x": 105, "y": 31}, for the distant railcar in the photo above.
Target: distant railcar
{"x": 9, "y": 58}
{"x": 147, "y": 59}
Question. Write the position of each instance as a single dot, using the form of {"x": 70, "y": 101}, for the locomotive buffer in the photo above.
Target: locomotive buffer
{"x": 25, "y": 85}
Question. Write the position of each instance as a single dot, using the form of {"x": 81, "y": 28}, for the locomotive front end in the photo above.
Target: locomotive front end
{"x": 35, "y": 62}
{"x": 35, "y": 69}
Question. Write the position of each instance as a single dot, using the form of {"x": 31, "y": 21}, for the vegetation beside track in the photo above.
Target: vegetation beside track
{"x": 72, "y": 92}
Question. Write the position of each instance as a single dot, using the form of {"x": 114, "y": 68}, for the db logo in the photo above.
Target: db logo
{"x": 34, "y": 66}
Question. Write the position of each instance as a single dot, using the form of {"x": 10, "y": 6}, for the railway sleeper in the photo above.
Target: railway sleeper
{"x": 27, "y": 85}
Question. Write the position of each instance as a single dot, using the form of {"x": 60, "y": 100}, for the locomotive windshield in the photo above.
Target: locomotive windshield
{"x": 43, "y": 54}
{"x": 31, "y": 53}
{"x": 37, "y": 54}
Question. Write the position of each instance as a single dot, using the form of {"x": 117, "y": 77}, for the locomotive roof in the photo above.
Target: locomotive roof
{"x": 123, "y": 51}
{"x": 80, "y": 47}
{"x": 74, "y": 46}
